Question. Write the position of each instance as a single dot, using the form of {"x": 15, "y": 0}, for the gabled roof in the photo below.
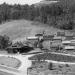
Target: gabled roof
{"x": 69, "y": 38}
{"x": 66, "y": 41}
{"x": 32, "y": 38}
{"x": 40, "y": 34}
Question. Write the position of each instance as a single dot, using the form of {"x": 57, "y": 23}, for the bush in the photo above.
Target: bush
{"x": 4, "y": 42}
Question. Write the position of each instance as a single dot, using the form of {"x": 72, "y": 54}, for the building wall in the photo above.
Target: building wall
{"x": 46, "y": 44}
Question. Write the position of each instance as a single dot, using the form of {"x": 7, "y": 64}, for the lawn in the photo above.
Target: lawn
{"x": 54, "y": 57}
{"x": 5, "y": 73}
{"x": 10, "y": 62}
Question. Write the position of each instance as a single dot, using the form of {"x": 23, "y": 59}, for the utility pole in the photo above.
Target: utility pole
{"x": 27, "y": 71}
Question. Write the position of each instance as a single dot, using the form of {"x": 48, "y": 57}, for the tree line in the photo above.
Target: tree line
{"x": 60, "y": 14}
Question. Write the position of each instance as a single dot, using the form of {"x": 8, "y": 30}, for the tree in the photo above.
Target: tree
{"x": 31, "y": 12}
{"x": 15, "y": 14}
{"x": 4, "y": 42}
{"x": 5, "y": 11}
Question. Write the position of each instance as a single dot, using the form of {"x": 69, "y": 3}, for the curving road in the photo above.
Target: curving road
{"x": 22, "y": 70}
{"x": 25, "y": 63}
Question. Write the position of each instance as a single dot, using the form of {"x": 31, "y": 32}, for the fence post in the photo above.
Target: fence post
{"x": 27, "y": 71}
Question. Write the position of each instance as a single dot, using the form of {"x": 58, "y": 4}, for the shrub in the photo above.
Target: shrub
{"x": 4, "y": 42}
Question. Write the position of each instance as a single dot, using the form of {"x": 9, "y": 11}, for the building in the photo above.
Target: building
{"x": 61, "y": 34}
{"x": 72, "y": 41}
{"x": 68, "y": 37}
{"x": 69, "y": 47}
{"x": 57, "y": 40}
{"x": 46, "y": 41}
{"x": 33, "y": 40}
{"x": 56, "y": 43}
{"x": 66, "y": 42}
{"x": 40, "y": 36}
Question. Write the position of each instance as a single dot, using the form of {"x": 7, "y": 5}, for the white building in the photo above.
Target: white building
{"x": 69, "y": 47}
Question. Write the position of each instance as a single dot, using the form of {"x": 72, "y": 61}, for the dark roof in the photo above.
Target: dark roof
{"x": 40, "y": 34}
{"x": 14, "y": 47}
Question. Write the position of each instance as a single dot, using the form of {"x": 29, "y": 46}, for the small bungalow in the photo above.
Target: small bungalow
{"x": 56, "y": 43}
{"x": 66, "y": 42}
{"x": 39, "y": 35}
{"x": 61, "y": 33}
{"x": 69, "y": 47}
{"x": 72, "y": 41}
{"x": 54, "y": 47}
{"x": 57, "y": 39}
{"x": 32, "y": 38}
{"x": 73, "y": 35}
{"x": 46, "y": 41}
{"x": 67, "y": 33}
{"x": 68, "y": 37}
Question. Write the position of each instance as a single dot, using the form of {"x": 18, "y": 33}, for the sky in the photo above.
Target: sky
{"x": 20, "y": 1}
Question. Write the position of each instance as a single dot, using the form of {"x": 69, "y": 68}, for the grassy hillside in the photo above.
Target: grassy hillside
{"x": 22, "y": 28}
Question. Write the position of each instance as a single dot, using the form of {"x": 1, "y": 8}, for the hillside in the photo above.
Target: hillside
{"x": 22, "y": 28}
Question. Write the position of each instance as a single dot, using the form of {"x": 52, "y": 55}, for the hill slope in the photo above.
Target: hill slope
{"x": 22, "y": 28}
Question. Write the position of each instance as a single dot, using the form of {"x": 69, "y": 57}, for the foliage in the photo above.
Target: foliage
{"x": 4, "y": 42}
{"x": 60, "y": 14}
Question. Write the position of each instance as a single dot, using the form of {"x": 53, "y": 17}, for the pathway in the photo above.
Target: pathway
{"x": 22, "y": 70}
